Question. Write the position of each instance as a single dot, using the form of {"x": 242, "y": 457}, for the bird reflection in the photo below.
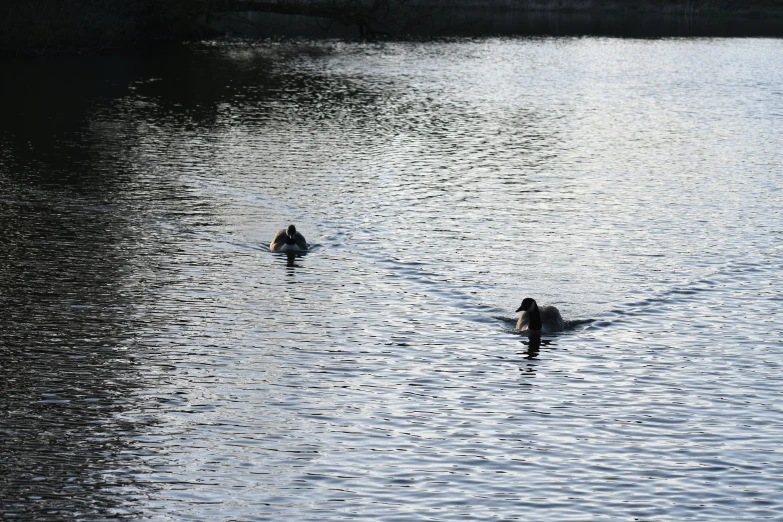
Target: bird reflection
{"x": 291, "y": 258}
{"x": 532, "y": 349}
{"x": 533, "y": 344}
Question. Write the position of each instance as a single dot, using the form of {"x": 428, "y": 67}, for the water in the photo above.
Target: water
{"x": 159, "y": 363}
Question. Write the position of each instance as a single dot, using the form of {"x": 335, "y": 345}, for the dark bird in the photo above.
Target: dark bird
{"x": 288, "y": 240}
{"x": 534, "y": 319}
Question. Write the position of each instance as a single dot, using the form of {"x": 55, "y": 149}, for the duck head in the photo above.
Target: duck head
{"x": 528, "y": 304}
{"x": 290, "y": 235}
{"x": 530, "y": 318}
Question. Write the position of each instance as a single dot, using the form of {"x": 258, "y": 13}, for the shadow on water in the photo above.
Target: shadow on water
{"x": 75, "y": 280}
{"x": 53, "y": 128}
{"x": 82, "y": 266}
{"x": 67, "y": 379}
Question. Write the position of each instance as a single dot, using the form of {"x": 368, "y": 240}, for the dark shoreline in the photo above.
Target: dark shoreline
{"x": 493, "y": 22}
{"x": 76, "y": 29}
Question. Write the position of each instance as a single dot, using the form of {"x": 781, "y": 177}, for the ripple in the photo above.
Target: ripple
{"x": 158, "y": 363}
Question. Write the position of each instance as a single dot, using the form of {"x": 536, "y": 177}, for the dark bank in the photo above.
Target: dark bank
{"x": 71, "y": 26}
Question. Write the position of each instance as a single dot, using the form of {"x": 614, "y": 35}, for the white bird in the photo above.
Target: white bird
{"x": 535, "y": 320}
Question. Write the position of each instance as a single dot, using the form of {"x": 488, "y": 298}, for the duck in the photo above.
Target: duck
{"x": 288, "y": 240}
{"x": 535, "y": 320}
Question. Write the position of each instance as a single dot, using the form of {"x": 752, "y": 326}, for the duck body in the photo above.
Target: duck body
{"x": 288, "y": 240}
{"x": 535, "y": 320}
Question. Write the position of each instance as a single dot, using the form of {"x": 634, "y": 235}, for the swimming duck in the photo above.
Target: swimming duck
{"x": 534, "y": 319}
{"x": 288, "y": 240}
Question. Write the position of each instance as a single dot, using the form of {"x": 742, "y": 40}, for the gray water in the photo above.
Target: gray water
{"x": 159, "y": 363}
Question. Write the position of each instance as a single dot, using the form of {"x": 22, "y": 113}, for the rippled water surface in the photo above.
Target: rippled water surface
{"x": 159, "y": 363}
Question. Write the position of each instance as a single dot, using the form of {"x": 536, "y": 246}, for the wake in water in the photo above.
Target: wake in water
{"x": 570, "y": 325}
{"x": 732, "y": 276}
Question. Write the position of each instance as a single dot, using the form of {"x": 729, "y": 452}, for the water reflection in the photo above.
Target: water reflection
{"x": 291, "y": 260}
{"x": 81, "y": 264}
{"x": 68, "y": 380}
{"x": 534, "y": 343}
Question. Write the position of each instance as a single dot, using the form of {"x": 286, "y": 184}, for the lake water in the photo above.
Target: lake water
{"x": 159, "y": 363}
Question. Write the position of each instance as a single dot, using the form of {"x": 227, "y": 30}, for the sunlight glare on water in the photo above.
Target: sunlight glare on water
{"x": 634, "y": 184}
